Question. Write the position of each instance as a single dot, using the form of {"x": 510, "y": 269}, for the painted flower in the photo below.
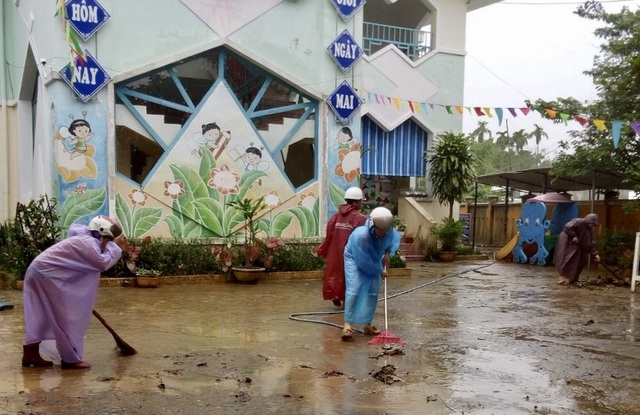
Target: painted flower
{"x": 224, "y": 180}
{"x": 138, "y": 197}
{"x": 308, "y": 201}
{"x": 81, "y": 189}
{"x": 272, "y": 199}
{"x": 174, "y": 189}
{"x": 349, "y": 165}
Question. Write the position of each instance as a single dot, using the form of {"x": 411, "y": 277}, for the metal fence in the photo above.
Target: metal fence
{"x": 412, "y": 42}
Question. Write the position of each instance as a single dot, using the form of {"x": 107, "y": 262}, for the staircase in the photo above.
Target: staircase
{"x": 410, "y": 249}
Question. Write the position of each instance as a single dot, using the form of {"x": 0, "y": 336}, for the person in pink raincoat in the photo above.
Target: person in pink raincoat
{"x": 339, "y": 228}
{"x": 60, "y": 288}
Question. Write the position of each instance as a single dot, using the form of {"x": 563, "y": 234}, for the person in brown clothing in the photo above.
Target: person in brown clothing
{"x": 575, "y": 244}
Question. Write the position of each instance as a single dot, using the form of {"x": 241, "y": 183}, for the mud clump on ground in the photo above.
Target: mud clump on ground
{"x": 386, "y": 375}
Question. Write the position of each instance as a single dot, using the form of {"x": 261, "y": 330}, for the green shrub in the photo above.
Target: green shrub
{"x": 296, "y": 257}
{"x": 33, "y": 230}
{"x": 396, "y": 261}
{"x": 616, "y": 248}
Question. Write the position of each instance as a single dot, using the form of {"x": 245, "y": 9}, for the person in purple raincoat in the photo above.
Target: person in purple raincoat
{"x": 60, "y": 288}
{"x": 575, "y": 244}
{"x": 366, "y": 257}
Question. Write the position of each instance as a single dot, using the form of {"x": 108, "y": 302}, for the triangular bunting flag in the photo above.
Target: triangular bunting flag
{"x": 448, "y": 108}
{"x": 581, "y": 120}
{"x": 513, "y": 112}
{"x": 636, "y": 126}
{"x": 488, "y": 112}
{"x": 499, "y": 113}
{"x": 564, "y": 117}
{"x": 459, "y": 109}
{"x": 396, "y": 102}
{"x": 416, "y": 106}
{"x": 411, "y": 106}
{"x": 469, "y": 109}
{"x": 424, "y": 107}
{"x": 616, "y": 126}
{"x": 478, "y": 111}
{"x": 525, "y": 110}
{"x": 431, "y": 105}
{"x": 551, "y": 113}
{"x": 600, "y": 125}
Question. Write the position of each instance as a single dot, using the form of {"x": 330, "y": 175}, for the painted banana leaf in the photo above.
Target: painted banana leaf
{"x": 77, "y": 206}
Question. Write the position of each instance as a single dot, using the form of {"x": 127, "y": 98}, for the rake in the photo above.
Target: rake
{"x": 386, "y": 336}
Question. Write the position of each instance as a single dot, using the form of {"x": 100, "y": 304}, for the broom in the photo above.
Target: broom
{"x": 123, "y": 346}
{"x": 386, "y": 336}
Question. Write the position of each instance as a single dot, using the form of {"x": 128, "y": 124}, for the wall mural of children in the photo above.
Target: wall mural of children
{"x": 344, "y": 138}
{"x": 212, "y": 138}
{"x": 74, "y": 156}
{"x": 76, "y": 136}
{"x": 252, "y": 159}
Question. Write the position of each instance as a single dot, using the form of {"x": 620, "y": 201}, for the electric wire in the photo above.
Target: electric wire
{"x": 296, "y": 316}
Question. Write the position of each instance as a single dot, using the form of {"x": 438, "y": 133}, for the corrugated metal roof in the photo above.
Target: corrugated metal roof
{"x": 542, "y": 181}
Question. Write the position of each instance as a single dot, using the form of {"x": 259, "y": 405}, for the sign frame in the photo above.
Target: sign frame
{"x": 67, "y": 74}
{"x": 346, "y": 12}
{"x": 344, "y": 63}
{"x": 85, "y": 29}
{"x": 344, "y": 88}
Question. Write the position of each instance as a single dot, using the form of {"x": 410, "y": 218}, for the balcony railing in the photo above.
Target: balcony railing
{"x": 414, "y": 43}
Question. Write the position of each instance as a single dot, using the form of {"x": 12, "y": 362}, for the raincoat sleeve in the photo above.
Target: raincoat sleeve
{"x": 89, "y": 249}
{"x": 323, "y": 249}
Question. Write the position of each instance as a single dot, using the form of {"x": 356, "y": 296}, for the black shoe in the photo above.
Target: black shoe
{"x": 337, "y": 303}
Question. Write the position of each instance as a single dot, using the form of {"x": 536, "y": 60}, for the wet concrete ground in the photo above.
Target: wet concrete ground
{"x": 497, "y": 339}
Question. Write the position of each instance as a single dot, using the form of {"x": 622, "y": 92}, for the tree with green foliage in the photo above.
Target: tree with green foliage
{"x": 538, "y": 134}
{"x": 616, "y": 75}
{"x": 451, "y": 165}
{"x": 481, "y": 131}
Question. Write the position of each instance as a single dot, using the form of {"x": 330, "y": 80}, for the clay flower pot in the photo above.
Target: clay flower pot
{"x": 248, "y": 275}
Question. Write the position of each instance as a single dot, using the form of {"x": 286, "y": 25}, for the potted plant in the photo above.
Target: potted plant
{"x": 449, "y": 234}
{"x": 400, "y": 225}
{"x": 147, "y": 278}
{"x": 253, "y": 247}
{"x": 451, "y": 168}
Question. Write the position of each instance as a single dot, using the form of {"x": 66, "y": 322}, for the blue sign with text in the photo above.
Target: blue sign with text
{"x": 345, "y": 51}
{"x": 344, "y": 102}
{"x": 347, "y": 8}
{"x": 85, "y": 78}
{"x": 85, "y": 16}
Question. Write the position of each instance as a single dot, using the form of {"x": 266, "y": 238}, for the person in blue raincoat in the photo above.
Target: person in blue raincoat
{"x": 366, "y": 257}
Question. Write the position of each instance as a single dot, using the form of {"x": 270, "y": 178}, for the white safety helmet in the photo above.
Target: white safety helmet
{"x": 353, "y": 193}
{"x": 382, "y": 218}
{"x": 103, "y": 224}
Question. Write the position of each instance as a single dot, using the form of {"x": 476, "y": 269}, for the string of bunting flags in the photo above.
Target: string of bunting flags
{"x": 500, "y": 112}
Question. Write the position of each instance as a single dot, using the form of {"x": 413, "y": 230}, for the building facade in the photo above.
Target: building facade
{"x": 159, "y": 113}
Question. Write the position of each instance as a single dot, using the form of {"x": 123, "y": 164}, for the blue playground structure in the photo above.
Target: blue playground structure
{"x": 537, "y": 235}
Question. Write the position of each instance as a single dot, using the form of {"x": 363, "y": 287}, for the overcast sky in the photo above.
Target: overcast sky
{"x": 529, "y": 49}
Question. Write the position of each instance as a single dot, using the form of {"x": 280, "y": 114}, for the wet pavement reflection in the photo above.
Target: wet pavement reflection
{"x": 497, "y": 339}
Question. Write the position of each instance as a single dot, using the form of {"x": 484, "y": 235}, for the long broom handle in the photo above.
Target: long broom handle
{"x": 385, "y": 301}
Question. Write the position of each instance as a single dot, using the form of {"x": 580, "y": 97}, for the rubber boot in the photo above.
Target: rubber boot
{"x": 31, "y": 356}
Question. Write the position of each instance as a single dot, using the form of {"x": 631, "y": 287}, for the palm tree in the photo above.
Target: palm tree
{"x": 503, "y": 140}
{"x": 451, "y": 168}
{"x": 481, "y": 131}
{"x": 538, "y": 133}
{"x": 519, "y": 140}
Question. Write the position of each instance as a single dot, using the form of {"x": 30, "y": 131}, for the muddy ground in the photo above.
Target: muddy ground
{"x": 497, "y": 338}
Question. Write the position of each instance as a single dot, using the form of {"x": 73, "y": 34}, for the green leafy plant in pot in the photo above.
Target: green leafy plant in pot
{"x": 253, "y": 247}
{"x": 449, "y": 234}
